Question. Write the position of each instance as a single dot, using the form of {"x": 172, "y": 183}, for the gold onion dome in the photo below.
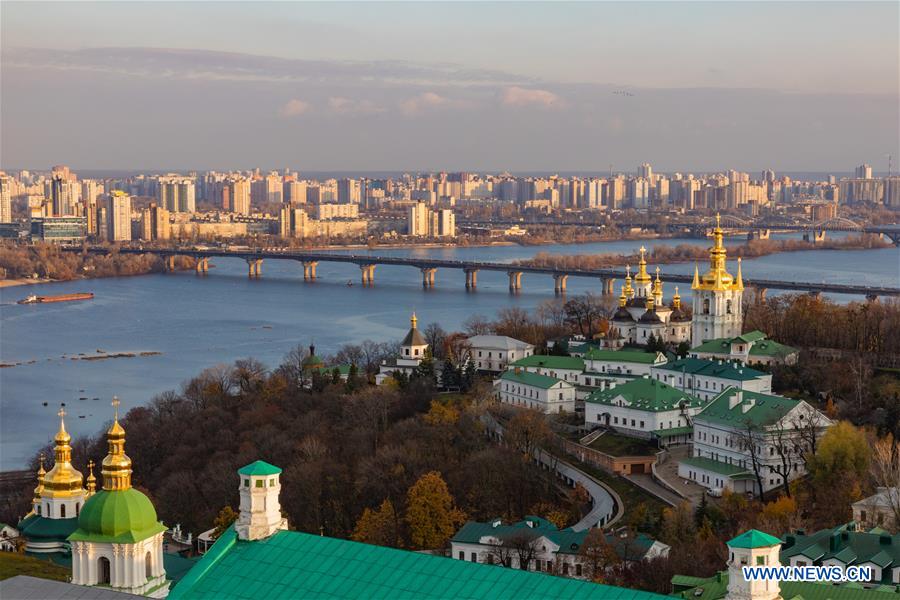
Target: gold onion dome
{"x": 717, "y": 278}
{"x": 63, "y": 479}
{"x": 657, "y": 284}
{"x": 643, "y": 276}
{"x": 116, "y": 467}
{"x": 91, "y": 481}
{"x": 39, "y": 490}
{"x": 627, "y": 289}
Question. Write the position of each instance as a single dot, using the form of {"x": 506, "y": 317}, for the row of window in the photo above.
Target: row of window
{"x": 539, "y": 565}
{"x": 62, "y": 510}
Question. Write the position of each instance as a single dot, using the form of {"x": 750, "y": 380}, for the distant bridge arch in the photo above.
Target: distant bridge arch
{"x": 838, "y": 224}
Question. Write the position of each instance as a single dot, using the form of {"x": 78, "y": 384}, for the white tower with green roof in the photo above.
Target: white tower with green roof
{"x": 260, "y": 514}
{"x": 752, "y": 548}
{"x": 119, "y": 540}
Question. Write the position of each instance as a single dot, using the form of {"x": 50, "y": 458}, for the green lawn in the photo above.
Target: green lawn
{"x": 620, "y": 445}
{"x": 12, "y": 564}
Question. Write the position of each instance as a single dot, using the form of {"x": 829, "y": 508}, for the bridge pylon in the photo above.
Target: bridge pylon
{"x": 428, "y": 277}
{"x": 254, "y": 267}
{"x": 559, "y": 283}
{"x": 169, "y": 262}
{"x": 609, "y": 286}
{"x": 515, "y": 280}
{"x": 471, "y": 278}
{"x": 309, "y": 270}
{"x": 202, "y": 265}
{"x": 368, "y": 274}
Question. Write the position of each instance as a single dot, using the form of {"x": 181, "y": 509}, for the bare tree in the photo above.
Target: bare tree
{"x": 885, "y": 469}
{"x": 435, "y": 336}
{"x": 784, "y": 443}
{"x": 478, "y": 325}
{"x": 597, "y": 554}
{"x": 518, "y": 546}
{"x": 750, "y": 439}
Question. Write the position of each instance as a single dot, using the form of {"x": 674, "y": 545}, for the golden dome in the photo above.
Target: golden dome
{"x": 643, "y": 276}
{"x": 39, "y": 490}
{"x": 657, "y": 284}
{"x": 676, "y": 299}
{"x": 63, "y": 480}
{"x": 116, "y": 467}
{"x": 627, "y": 289}
{"x": 91, "y": 481}
{"x": 717, "y": 278}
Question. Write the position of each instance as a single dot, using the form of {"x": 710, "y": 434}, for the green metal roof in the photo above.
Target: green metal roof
{"x": 713, "y": 368}
{"x": 715, "y": 588}
{"x": 632, "y": 356}
{"x": 760, "y": 410}
{"x": 532, "y": 379}
{"x": 715, "y": 466}
{"x": 759, "y": 345}
{"x": 259, "y": 468}
{"x": 38, "y": 528}
{"x": 754, "y": 538}
{"x": 291, "y": 564}
{"x": 673, "y": 431}
{"x": 647, "y": 395}
{"x": 121, "y": 516}
{"x": 847, "y": 544}
{"x": 551, "y": 362}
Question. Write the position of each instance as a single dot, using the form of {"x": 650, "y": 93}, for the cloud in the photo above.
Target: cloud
{"x": 518, "y": 96}
{"x": 345, "y": 106}
{"x": 427, "y": 101}
{"x": 294, "y": 108}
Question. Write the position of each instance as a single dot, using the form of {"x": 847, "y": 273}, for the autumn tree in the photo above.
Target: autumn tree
{"x": 380, "y": 527}
{"x": 527, "y": 431}
{"x": 223, "y": 521}
{"x": 431, "y": 514}
{"x": 597, "y": 555}
{"x": 886, "y": 473}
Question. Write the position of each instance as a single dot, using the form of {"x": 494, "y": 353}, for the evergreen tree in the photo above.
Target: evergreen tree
{"x": 683, "y": 349}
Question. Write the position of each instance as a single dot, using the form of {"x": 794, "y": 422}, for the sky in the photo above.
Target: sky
{"x": 479, "y": 86}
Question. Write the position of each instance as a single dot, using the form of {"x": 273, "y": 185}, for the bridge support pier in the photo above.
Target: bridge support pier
{"x": 254, "y": 267}
{"x": 202, "y": 265}
{"x": 309, "y": 270}
{"x": 761, "y": 295}
{"x": 609, "y": 286}
{"x": 559, "y": 283}
{"x": 170, "y": 263}
{"x": 515, "y": 280}
{"x": 368, "y": 274}
{"x": 759, "y": 234}
{"x": 817, "y": 236}
{"x": 471, "y": 278}
{"x": 428, "y": 277}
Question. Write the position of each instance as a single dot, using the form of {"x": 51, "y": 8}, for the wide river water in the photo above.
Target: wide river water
{"x": 194, "y": 323}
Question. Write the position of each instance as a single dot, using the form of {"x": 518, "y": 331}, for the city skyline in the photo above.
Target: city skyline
{"x": 318, "y": 87}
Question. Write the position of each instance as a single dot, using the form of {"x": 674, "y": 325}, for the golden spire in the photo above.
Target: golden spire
{"x": 718, "y": 277}
{"x": 676, "y": 299}
{"x": 627, "y": 289}
{"x": 63, "y": 480}
{"x": 39, "y": 490}
{"x": 622, "y": 298}
{"x": 116, "y": 467}
{"x": 739, "y": 281}
{"x": 696, "y": 284}
{"x": 91, "y": 480}
{"x": 657, "y": 285}
{"x": 643, "y": 276}
{"x": 413, "y": 320}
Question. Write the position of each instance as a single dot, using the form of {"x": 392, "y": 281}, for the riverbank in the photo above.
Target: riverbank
{"x": 5, "y": 283}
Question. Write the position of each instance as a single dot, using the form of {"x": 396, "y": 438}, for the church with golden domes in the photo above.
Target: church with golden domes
{"x": 642, "y": 312}
{"x": 114, "y": 536}
{"x": 718, "y": 297}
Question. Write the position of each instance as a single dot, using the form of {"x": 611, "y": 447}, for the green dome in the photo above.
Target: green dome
{"x": 117, "y": 516}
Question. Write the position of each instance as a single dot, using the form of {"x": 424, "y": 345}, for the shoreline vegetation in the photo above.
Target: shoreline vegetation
{"x": 45, "y": 263}
{"x": 661, "y": 255}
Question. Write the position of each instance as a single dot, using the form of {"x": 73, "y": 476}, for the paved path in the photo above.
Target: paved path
{"x": 650, "y": 486}
{"x": 606, "y": 509}
{"x": 668, "y": 471}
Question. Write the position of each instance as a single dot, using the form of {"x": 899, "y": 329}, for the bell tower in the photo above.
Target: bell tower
{"x": 752, "y": 549}
{"x": 717, "y": 296}
{"x": 260, "y": 514}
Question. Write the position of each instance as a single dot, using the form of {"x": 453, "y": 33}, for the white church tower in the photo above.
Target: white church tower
{"x": 260, "y": 514}
{"x": 752, "y": 549}
{"x": 718, "y": 311}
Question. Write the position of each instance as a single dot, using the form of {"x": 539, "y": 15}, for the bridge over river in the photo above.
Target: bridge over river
{"x": 429, "y": 267}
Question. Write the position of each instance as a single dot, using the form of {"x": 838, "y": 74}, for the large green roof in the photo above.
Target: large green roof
{"x": 551, "y": 362}
{"x": 753, "y": 538}
{"x": 759, "y": 345}
{"x": 533, "y": 379}
{"x": 632, "y": 356}
{"x": 645, "y": 394}
{"x": 846, "y": 543}
{"x": 569, "y": 541}
{"x": 291, "y": 564}
{"x": 715, "y": 466}
{"x": 259, "y": 468}
{"x": 121, "y": 516}
{"x": 713, "y": 368}
{"x": 758, "y": 410}
{"x": 38, "y": 528}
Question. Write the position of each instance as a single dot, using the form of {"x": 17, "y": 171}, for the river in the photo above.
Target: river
{"x": 197, "y": 322}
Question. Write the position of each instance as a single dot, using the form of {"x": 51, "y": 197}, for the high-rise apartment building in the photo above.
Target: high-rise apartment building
{"x": 155, "y": 223}
{"x": 6, "y": 184}
{"x": 863, "y": 172}
{"x": 177, "y": 194}
{"x": 645, "y": 171}
{"x": 443, "y": 223}
{"x": 295, "y": 192}
{"x": 236, "y": 195}
{"x": 348, "y": 191}
{"x": 117, "y": 216}
{"x": 418, "y": 219}
{"x": 64, "y": 195}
